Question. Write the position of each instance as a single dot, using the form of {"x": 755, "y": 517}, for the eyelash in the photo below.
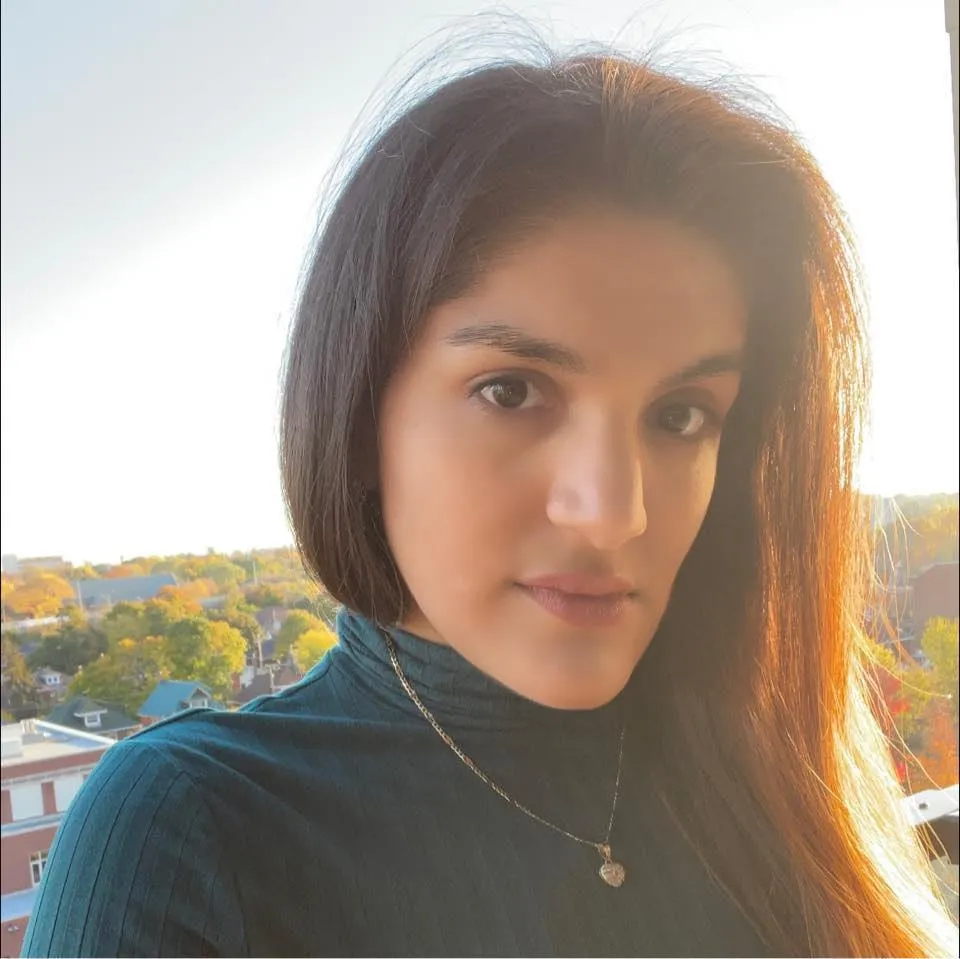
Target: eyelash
{"x": 501, "y": 379}
{"x": 712, "y": 420}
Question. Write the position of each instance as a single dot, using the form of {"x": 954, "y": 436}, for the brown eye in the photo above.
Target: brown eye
{"x": 682, "y": 420}
{"x": 509, "y": 393}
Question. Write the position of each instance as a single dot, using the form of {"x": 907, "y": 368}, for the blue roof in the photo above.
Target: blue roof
{"x": 129, "y": 589}
{"x": 172, "y": 696}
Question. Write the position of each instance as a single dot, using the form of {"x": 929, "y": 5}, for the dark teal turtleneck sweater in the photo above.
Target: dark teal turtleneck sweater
{"x": 332, "y": 820}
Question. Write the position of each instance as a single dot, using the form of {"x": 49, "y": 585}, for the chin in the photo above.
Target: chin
{"x": 575, "y": 695}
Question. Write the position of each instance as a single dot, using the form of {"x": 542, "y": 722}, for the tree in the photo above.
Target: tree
{"x": 126, "y": 674}
{"x": 15, "y": 668}
{"x": 926, "y": 718}
{"x": 75, "y": 644}
{"x": 190, "y": 592}
{"x": 311, "y": 646}
{"x": 238, "y": 614}
{"x": 223, "y": 572}
{"x": 937, "y": 533}
{"x": 939, "y": 756}
{"x": 125, "y": 570}
{"x": 209, "y": 652}
{"x": 263, "y": 596}
{"x": 940, "y": 643}
{"x": 294, "y": 626}
{"x": 20, "y": 695}
{"x": 37, "y": 595}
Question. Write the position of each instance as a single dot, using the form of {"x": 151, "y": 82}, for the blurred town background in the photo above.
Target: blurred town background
{"x": 92, "y": 654}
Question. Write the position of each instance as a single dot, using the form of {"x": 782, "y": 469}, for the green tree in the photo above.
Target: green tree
{"x": 940, "y": 645}
{"x": 126, "y": 674}
{"x": 125, "y": 621}
{"x": 263, "y": 595}
{"x": 75, "y": 644}
{"x": 224, "y": 573}
{"x": 311, "y": 646}
{"x": 294, "y": 626}
{"x": 209, "y": 652}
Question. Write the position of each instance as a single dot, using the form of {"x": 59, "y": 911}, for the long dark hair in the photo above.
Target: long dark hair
{"x": 754, "y": 686}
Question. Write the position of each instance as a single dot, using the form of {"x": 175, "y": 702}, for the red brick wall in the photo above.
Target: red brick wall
{"x": 58, "y": 765}
{"x": 11, "y": 937}
{"x": 15, "y": 868}
{"x": 936, "y": 592}
{"x": 6, "y": 807}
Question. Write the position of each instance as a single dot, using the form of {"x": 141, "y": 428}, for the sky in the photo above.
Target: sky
{"x": 162, "y": 165}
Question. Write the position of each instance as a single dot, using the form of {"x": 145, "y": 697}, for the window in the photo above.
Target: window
{"x": 38, "y": 862}
{"x": 26, "y": 801}
{"x": 92, "y": 720}
{"x": 64, "y": 789}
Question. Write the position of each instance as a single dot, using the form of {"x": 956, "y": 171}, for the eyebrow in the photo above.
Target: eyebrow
{"x": 508, "y": 339}
{"x": 715, "y": 365}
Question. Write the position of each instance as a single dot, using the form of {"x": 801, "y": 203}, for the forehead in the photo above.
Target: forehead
{"x": 617, "y": 289}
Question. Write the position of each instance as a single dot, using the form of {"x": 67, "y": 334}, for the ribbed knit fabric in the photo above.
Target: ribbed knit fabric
{"x": 331, "y": 820}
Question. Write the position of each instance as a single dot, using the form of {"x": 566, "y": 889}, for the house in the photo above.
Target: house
{"x": 95, "y": 594}
{"x": 265, "y": 682}
{"x": 271, "y": 618}
{"x": 936, "y": 593}
{"x": 43, "y": 767}
{"x": 172, "y": 696}
{"x": 89, "y": 715}
{"x": 51, "y": 685}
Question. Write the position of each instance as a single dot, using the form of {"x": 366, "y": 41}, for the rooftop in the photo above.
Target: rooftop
{"x": 171, "y": 696}
{"x": 72, "y": 714}
{"x": 33, "y": 740}
{"x": 128, "y": 589}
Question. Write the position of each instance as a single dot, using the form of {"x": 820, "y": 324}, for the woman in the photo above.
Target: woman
{"x": 571, "y": 413}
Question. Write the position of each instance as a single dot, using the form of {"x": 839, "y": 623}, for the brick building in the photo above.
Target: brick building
{"x": 43, "y": 767}
{"x": 936, "y": 593}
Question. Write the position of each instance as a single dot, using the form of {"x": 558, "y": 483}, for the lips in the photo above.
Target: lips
{"x": 581, "y": 599}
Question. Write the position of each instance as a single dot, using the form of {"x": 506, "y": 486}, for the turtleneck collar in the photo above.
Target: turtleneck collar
{"x": 456, "y": 691}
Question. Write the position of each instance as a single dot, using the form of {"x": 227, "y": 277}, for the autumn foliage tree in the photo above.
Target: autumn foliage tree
{"x": 939, "y": 757}
{"x": 36, "y": 594}
{"x": 311, "y": 646}
{"x": 294, "y": 626}
{"x": 920, "y": 708}
{"x": 16, "y": 673}
{"x": 921, "y": 536}
{"x": 166, "y": 638}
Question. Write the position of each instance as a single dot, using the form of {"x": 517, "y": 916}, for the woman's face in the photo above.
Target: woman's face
{"x": 549, "y": 449}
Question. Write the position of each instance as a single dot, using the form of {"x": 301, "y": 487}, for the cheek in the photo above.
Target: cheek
{"x": 451, "y": 509}
{"x": 677, "y": 501}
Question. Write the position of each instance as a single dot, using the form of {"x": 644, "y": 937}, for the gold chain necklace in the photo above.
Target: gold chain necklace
{"x": 611, "y": 872}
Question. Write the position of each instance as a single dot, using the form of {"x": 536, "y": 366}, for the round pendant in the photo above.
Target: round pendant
{"x": 613, "y": 874}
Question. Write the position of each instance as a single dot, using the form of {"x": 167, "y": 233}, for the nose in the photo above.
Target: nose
{"x": 597, "y": 487}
